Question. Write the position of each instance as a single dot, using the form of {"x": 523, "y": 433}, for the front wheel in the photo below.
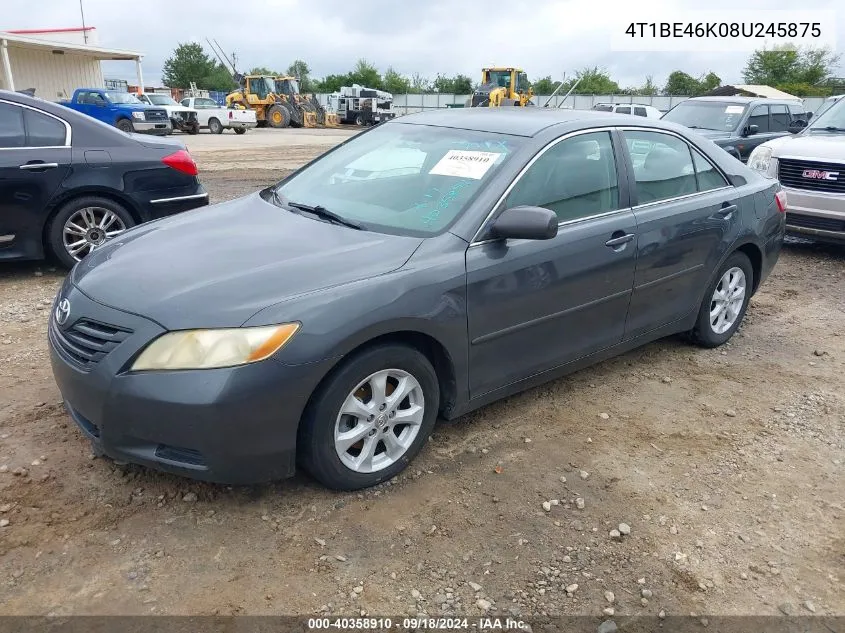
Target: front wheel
{"x": 215, "y": 127}
{"x": 125, "y": 125}
{"x": 725, "y": 302}
{"x": 370, "y": 419}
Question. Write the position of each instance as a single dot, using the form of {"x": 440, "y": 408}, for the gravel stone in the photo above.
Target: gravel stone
{"x": 4, "y": 523}
{"x": 610, "y": 597}
{"x": 191, "y": 497}
{"x": 624, "y": 529}
{"x": 608, "y": 626}
{"x": 579, "y": 503}
{"x": 483, "y": 604}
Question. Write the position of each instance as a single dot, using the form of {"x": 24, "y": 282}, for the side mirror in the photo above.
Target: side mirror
{"x": 797, "y": 125}
{"x": 750, "y": 130}
{"x": 525, "y": 223}
{"x": 809, "y": 115}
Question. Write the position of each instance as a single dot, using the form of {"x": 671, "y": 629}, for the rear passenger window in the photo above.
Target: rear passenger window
{"x": 780, "y": 118}
{"x": 760, "y": 117}
{"x": 640, "y": 112}
{"x": 576, "y": 178}
{"x": 663, "y": 166}
{"x": 623, "y": 110}
{"x": 43, "y": 130}
{"x": 11, "y": 126}
{"x": 708, "y": 176}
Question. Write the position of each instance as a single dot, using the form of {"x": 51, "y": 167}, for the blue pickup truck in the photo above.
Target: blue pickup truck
{"x": 120, "y": 109}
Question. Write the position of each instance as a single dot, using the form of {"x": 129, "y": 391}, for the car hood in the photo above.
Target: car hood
{"x": 217, "y": 266}
{"x": 820, "y": 146}
{"x": 172, "y": 108}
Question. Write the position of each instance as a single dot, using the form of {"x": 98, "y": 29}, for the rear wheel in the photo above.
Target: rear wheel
{"x": 125, "y": 125}
{"x": 240, "y": 130}
{"x": 278, "y": 116}
{"x": 725, "y": 302}
{"x": 370, "y": 419}
{"x": 214, "y": 126}
{"x": 83, "y": 225}
{"x": 359, "y": 120}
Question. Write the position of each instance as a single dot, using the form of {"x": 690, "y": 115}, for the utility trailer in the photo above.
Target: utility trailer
{"x": 361, "y": 106}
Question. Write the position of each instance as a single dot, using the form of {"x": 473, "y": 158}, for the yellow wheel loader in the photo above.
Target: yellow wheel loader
{"x": 278, "y": 103}
{"x": 502, "y": 86}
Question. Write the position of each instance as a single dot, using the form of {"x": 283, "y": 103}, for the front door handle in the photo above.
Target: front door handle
{"x": 37, "y": 166}
{"x": 621, "y": 240}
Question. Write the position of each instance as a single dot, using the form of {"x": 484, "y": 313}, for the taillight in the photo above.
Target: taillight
{"x": 780, "y": 199}
{"x": 181, "y": 161}
{"x": 231, "y": 115}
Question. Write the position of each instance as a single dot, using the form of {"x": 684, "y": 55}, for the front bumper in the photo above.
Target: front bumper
{"x": 816, "y": 215}
{"x": 234, "y": 426}
{"x": 160, "y": 128}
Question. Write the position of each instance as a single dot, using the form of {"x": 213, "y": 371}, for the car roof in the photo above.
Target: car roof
{"x": 36, "y": 102}
{"x": 528, "y": 121}
{"x": 744, "y": 100}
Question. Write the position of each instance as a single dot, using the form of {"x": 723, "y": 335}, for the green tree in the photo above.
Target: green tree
{"x": 189, "y": 62}
{"x": 648, "y": 89}
{"x": 301, "y": 70}
{"x": 461, "y": 85}
{"x": 593, "y": 81}
{"x": 545, "y": 86}
{"x": 261, "y": 70}
{"x": 395, "y": 82}
{"x": 365, "y": 74}
{"x": 419, "y": 84}
{"x": 789, "y": 65}
{"x": 332, "y": 83}
{"x": 680, "y": 83}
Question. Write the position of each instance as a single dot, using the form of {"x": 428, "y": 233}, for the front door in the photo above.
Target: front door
{"x": 687, "y": 214}
{"x": 33, "y": 162}
{"x": 537, "y": 304}
{"x": 767, "y": 129}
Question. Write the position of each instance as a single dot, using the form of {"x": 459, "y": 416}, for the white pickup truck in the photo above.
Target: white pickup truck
{"x": 217, "y": 118}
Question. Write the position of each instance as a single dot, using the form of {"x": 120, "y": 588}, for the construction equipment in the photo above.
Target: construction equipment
{"x": 502, "y": 86}
{"x": 276, "y": 100}
{"x": 360, "y": 105}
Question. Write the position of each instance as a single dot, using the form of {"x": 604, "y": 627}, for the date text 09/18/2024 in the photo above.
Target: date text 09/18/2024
{"x": 417, "y": 624}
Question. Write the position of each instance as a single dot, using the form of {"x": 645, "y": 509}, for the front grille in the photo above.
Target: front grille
{"x": 86, "y": 342}
{"x": 815, "y": 222}
{"x": 189, "y": 456}
{"x": 156, "y": 115}
{"x": 790, "y": 174}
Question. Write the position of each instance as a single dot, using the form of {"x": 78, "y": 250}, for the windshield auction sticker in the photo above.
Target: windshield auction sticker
{"x": 465, "y": 164}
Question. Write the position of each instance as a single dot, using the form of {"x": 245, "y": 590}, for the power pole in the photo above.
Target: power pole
{"x": 84, "y": 31}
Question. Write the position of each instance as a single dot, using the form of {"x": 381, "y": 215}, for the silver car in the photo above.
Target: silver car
{"x": 811, "y": 168}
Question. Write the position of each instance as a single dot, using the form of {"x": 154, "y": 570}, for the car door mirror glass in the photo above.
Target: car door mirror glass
{"x": 797, "y": 125}
{"x": 750, "y": 130}
{"x": 525, "y": 223}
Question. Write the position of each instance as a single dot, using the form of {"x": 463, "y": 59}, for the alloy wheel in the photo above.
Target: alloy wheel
{"x": 89, "y": 228}
{"x": 728, "y": 298}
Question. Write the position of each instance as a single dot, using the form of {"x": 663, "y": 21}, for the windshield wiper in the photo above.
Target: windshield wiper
{"x": 829, "y": 128}
{"x": 324, "y": 213}
{"x": 698, "y": 127}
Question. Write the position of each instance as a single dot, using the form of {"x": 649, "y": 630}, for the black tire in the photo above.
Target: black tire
{"x": 316, "y": 447}
{"x": 278, "y": 116}
{"x": 55, "y": 243}
{"x": 240, "y": 130}
{"x": 194, "y": 129}
{"x": 359, "y": 120}
{"x": 703, "y": 333}
{"x": 125, "y": 125}
{"x": 214, "y": 126}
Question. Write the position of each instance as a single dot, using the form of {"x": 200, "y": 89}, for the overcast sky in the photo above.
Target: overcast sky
{"x": 544, "y": 37}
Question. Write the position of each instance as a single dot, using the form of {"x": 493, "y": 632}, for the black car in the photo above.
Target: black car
{"x": 329, "y": 320}
{"x": 69, "y": 182}
{"x": 739, "y": 124}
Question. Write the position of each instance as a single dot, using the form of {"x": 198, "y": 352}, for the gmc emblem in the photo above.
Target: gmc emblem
{"x": 820, "y": 175}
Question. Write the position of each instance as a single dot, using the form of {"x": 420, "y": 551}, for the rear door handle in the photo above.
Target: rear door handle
{"x": 619, "y": 241}
{"x": 37, "y": 166}
{"x": 725, "y": 212}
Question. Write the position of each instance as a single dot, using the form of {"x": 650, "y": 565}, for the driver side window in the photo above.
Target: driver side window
{"x": 575, "y": 178}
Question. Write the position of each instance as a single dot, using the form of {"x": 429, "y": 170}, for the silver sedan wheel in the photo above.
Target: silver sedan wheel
{"x": 88, "y": 229}
{"x": 727, "y": 300}
{"x": 379, "y": 420}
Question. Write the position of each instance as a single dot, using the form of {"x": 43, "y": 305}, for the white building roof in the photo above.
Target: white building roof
{"x": 764, "y": 91}
{"x": 14, "y": 40}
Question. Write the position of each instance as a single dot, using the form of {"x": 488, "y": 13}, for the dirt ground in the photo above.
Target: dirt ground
{"x": 727, "y": 465}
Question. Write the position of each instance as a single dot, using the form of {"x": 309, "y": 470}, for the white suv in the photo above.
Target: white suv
{"x": 637, "y": 109}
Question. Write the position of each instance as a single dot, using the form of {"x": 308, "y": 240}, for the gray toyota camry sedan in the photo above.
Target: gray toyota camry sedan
{"x": 422, "y": 269}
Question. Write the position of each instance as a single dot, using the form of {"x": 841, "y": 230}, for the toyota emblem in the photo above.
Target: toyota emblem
{"x": 62, "y": 311}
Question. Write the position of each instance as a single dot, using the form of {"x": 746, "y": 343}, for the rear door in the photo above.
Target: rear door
{"x": 536, "y": 304}
{"x": 687, "y": 214}
{"x": 35, "y": 157}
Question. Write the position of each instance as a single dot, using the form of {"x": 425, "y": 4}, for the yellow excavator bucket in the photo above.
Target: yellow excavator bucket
{"x": 309, "y": 119}
{"x": 331, "y": 120}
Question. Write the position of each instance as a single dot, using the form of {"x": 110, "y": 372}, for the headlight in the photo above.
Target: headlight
{"x": 139, "y": 115}
{"x": 208, "y": 349}
{"x": 760, "y": 159}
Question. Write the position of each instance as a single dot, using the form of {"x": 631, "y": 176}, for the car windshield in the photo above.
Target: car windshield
{"x": 121, "y": 97}
{"x": 500, "y": 78}
{"x": 722, "y": 116}
{"x": 400, "y": 178}
{"x": 287, "y": 86}
{"x": 162, "y": 100}
{"x": 831, "y": 120}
